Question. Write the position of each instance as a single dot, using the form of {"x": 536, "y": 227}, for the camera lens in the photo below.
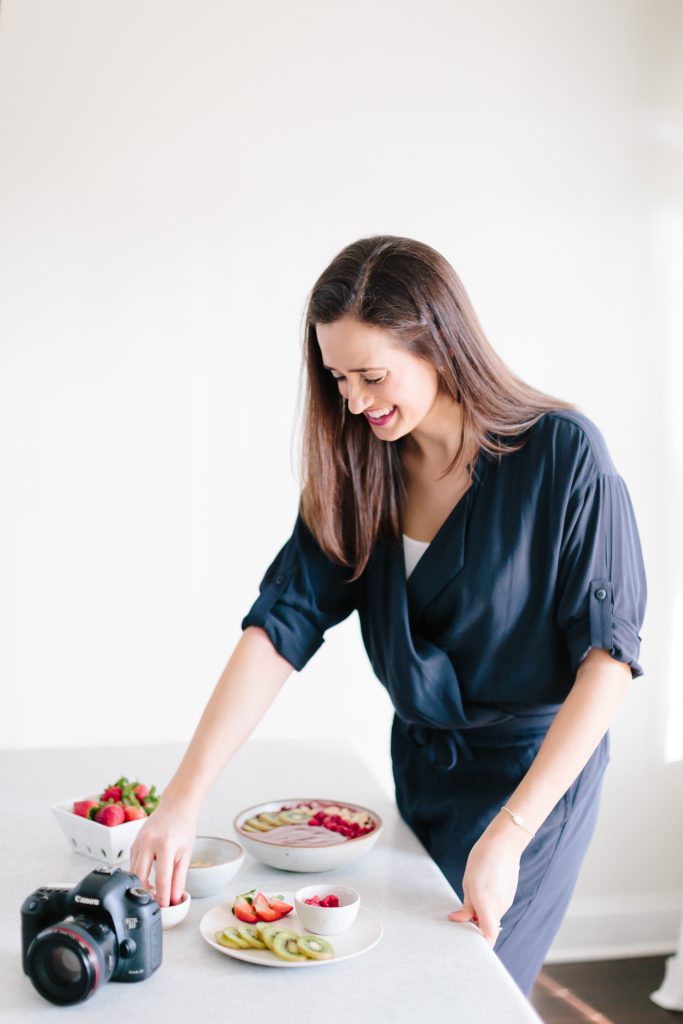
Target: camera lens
{"x": 68, "y": 961}
{"x": 63, "y": 966}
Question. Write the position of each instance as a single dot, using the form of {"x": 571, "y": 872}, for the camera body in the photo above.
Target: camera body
{"x": 106, "y": 927}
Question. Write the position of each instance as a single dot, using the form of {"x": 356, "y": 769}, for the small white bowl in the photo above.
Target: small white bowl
{"x": 224, "y": 857}
{"x": 173, "y": 915}
{"x": 327, "y": 920}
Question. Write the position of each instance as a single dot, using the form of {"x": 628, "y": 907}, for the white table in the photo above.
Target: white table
{"x": 424, "y": 968}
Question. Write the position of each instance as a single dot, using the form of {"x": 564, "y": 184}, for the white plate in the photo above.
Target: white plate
{"x": 364, "y": 933}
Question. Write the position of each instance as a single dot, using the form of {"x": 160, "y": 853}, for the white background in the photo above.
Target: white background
{"x": 173, "y": 178}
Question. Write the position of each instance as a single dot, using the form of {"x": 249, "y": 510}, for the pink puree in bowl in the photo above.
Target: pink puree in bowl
{"x": 299, "y": 835}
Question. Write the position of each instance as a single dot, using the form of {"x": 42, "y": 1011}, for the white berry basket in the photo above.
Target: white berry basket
{"x": 110, "y": 844}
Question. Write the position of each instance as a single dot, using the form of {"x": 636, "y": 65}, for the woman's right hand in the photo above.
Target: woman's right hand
{"x": 166, "y": 839}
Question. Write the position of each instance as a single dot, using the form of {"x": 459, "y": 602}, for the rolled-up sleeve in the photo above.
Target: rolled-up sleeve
{"x": 601, "y": 588}
{"x": 302, "y": 594}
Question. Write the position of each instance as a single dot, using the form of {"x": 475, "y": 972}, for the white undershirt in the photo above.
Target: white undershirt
{"x": 413, "y": 551}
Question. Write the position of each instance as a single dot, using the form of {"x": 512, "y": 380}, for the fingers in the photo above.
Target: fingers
{"x": 484, "y": 920}
{"x": 163, "y": 873}
{"x": 179, "y": 875}
{"x": 141, "y": 862}
{"x": 488, "y": 925}
{"x": 466, "y": 913}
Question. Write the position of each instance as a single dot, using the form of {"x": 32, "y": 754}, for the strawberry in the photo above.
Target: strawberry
{"x": 111, "y": 793}
{"x": 141, "y": 791}
{"x": 243, "y": 910}
{"x": 133, "y": 813}
{"x": 112, "y": 814}
{"x": 264, "y": 910}
{"x": 279, "y": 905}
{"x": 82, "y": 807}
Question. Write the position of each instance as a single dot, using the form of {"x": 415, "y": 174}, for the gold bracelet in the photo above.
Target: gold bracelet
{"x": 518, "y": 820}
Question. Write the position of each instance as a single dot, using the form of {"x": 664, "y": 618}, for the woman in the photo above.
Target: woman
{"x": 483, "y": 535}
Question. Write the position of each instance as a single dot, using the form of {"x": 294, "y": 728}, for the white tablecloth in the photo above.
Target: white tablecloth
{"x": 424, "y": 968}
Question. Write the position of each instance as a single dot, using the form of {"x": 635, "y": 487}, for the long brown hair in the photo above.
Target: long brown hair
{"x": 353, "y": 487}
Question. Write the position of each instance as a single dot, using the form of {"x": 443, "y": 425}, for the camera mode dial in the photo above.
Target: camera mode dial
{"x": 139, "y": 895}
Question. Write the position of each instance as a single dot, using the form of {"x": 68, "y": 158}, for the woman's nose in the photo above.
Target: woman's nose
{"x": 357, "y": 400}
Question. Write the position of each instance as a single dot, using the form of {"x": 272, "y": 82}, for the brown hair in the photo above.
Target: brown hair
{"x": 353, "y": 487}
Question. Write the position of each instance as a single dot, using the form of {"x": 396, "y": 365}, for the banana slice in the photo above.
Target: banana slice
{"x": 259, "y": 826}
{"x": 269, "y": 819}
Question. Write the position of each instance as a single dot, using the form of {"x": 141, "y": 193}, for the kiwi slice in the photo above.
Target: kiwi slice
{"x": 293, "y": 817}
{"x": 286, "y": 945}
{"x": 251, "y": 936}
{"x": 267, "y": 932}
{"x": 229, "y": 937}
{"x": 314, "y": 947}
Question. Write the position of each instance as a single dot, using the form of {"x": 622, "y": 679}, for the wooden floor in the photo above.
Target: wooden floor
{"x": 603, "y": 992}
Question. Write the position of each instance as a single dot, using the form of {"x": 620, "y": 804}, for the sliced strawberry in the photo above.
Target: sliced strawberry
{"x": 244, "y": 911}
{"x": 279, "y": 905}
{"x": 264, "y": 909}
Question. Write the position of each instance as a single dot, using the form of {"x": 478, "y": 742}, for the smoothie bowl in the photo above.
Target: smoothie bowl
{"x": 307, "y": 834}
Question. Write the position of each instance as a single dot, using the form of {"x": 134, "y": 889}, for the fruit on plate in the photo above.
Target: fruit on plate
{"x": 283, "y": 942}
{"x": 253, "y": 906}
{"x": 131, "y": 800}
{"x": 315, "y": 947}
{"x": 250, "y": 935}
{"x": 242, "y": 909}
{"x": 231, "y": 938}
{"x": 286, "y": 945}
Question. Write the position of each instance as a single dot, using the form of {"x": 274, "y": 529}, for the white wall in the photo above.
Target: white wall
{"x": 173, "y": 178}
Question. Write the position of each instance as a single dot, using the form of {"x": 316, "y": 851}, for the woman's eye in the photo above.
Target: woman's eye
{"x": 377, "y": 380}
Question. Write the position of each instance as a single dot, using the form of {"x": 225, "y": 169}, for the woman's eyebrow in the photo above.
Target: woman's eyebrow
{"x": 360, "y": 369}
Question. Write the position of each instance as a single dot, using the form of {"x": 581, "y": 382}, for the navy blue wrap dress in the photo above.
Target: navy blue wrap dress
{"x": 538, "y": 562}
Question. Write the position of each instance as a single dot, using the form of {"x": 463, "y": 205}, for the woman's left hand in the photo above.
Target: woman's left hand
{"x": 491, "y": 877}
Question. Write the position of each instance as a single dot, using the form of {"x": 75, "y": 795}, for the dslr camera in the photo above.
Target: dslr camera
{"x": 107, "y": 927}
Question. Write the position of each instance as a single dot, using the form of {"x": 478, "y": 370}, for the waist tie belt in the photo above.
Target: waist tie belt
{"x": 444, "y": 747}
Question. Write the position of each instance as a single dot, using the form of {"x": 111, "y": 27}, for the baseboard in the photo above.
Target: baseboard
{"x": 610, "y": 928}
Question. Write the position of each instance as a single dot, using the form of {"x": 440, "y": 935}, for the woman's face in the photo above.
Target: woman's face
{"x": 377, "y": 377}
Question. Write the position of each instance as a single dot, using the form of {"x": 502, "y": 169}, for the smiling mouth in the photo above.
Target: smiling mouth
{"x": 380, "y": 420}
